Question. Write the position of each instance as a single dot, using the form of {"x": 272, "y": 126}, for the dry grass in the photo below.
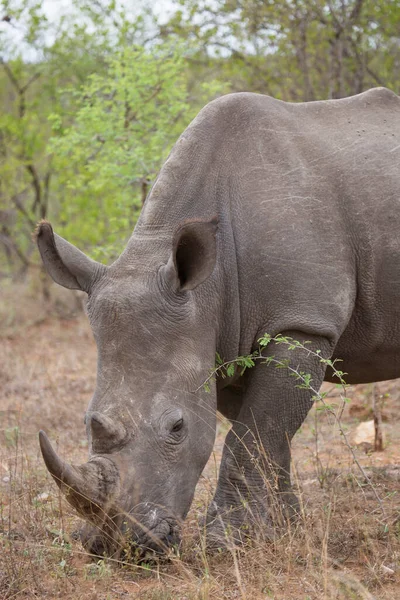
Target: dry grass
{"x": 341, "y": 549}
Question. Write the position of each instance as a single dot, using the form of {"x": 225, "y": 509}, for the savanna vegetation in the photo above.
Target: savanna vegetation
{"x": 93, "y": 94}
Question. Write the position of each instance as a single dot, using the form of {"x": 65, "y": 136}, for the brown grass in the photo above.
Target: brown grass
{"x": 341, "y": 549}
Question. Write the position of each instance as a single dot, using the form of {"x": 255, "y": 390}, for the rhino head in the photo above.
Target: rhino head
{"x": 150, "y": 424}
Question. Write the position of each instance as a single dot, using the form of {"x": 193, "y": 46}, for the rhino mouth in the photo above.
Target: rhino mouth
{"x": 159, "y": 540}
{"x": 133, "y": 542}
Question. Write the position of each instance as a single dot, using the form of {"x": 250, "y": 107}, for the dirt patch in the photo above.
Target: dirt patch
{"x": 343, "y": 548}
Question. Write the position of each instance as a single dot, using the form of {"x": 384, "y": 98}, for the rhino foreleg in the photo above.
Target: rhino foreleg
{"x": 254, "y": 488}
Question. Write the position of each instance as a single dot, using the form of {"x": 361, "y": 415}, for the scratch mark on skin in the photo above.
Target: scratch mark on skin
{"x": 320, "y": 159}
{"x": 133, "y": 420}
{"x": 282, "y": 131}
{"x": 395, "y": 148}
{"x": 295, "y": 199}
{"x": 301, "y": 263}
{"x": 150, "y": 334}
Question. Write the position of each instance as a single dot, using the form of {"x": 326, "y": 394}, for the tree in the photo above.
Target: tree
{"x": 124, "y": 124}
{"x": 297, "y": 49}
{"x": 114, "y": 89}
{"x": 38, "y": 60}
{"x": 114, "y": 101}
{"x": 32, "y": 72}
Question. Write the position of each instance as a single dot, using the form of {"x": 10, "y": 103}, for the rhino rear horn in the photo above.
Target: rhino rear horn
{"x": 67, "y": 265}
{"x": 106, "y": 432}
{"x": 89, "y": 487}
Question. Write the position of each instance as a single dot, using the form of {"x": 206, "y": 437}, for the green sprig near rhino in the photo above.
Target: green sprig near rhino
{"x": 266, "y": 217}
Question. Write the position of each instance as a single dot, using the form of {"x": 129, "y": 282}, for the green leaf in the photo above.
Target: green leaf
{"x": 230, "y": 370}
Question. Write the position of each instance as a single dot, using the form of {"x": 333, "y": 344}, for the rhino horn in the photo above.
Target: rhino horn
{"x": 89, "y": 487}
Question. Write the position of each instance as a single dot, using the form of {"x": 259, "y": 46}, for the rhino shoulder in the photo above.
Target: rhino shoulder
{"x": 381, "y": 96}
{"x": 234, "y": 111}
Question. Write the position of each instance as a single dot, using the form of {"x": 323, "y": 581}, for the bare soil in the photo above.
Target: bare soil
{"x": 343, "y": 547}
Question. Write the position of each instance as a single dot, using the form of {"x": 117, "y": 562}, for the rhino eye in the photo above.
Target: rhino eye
{"x": 177, "y": 427}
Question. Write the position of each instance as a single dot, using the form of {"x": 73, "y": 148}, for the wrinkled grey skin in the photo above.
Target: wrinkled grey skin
{"x": 266, "y": 217}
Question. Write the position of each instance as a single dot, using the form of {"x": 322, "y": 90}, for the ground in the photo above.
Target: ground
{"x": 344, "y": 546}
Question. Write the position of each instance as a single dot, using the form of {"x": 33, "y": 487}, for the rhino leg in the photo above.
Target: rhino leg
{"x": 254, "y": 490}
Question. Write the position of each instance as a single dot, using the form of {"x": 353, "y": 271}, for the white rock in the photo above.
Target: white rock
{"x": 43, "y": 497}
{"x": 387, "y": 570}
{"x": 364, "y": 433}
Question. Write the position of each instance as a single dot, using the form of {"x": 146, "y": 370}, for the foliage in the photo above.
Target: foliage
{"x": 119, "y": 88}
{"x": 114, "y": 101}
{"x": 298, "y": 49}
{"x": 38, "y": 59}
{"x": 303, "y": 381}
{"x": 124, "y": 123}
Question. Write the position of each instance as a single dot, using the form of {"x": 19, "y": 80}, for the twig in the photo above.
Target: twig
{"x": 376, "y": 404}
{"x": 306, "y": 384}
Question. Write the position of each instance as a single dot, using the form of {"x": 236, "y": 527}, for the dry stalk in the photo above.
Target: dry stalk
{"x": 305, "y": 382}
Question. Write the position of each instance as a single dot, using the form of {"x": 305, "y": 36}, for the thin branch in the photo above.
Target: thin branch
{"x": 377, "y": 412}
{"x": 36, "y": 186}
{"x": 20, "y": 89}
{"x": 10, "y": 75}
{"x": 132, "y": 116}
{"x": 45, "y": 203}
{"x": 338, "y": 26}
{"x": 370, "y": 72}
{"x": 306, "y": 384}
{"x": 30, "y": 81}
{"x": 7, "y": 241}
{"x": 18, "y": 204}
{"x": 355, "y": 13}
{"x": 375, "y": 76}
{"x": 341, "y": 430}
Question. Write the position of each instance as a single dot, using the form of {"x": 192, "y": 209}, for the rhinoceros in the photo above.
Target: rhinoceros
{"x": 266, "y": 217}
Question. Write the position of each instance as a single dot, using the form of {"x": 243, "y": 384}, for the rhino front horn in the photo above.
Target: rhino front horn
{"x": 89, "y": 487}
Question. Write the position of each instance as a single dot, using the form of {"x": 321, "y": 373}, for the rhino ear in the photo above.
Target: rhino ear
{"x": 67, "y": 265}
{"x": 194, "y": 252}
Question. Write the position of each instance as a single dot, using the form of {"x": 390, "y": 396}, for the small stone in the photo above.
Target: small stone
{"x": 43, "y": 497}
{"x": 387, "y": 570}
{"x": 364, "y": 434}
{"x": 6, "y": 479}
